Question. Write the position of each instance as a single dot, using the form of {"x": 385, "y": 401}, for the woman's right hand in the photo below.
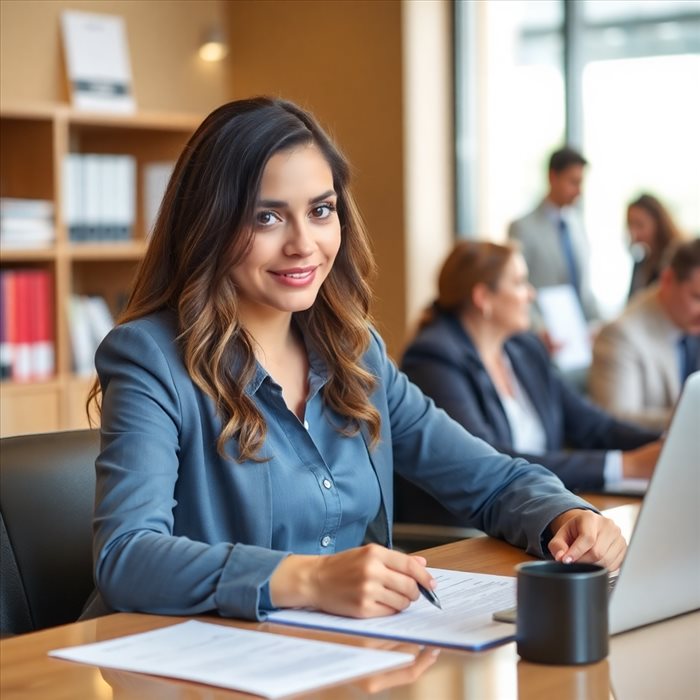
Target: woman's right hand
{"x": 368, "y": 581}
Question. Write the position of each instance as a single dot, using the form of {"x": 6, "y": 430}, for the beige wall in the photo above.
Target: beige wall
{"x": 428, "y": 148}
{"x": 341, "y": 60}
{"x": 163, "y": 38}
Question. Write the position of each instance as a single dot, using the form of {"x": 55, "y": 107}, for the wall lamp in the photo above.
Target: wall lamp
{"x": 214, "y": 46}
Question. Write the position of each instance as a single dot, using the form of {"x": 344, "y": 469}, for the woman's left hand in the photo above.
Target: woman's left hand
{"x": 585, "y": 536}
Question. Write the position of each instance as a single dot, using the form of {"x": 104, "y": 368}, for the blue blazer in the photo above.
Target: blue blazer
{"x": 444, "y": 363}
{"x": 180, "y": 530}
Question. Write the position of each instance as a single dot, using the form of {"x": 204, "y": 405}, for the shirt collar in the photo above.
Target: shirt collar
{"x": 554, "y": 213}
{"x": 318, "y": 370}
{"x": 318, "y": 373}
{"x": 258, "y": 378}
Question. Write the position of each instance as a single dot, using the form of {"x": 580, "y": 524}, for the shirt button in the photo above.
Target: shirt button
{"x": 325, "y": 541}
{"x": 306, "y": 424}
{"x": 327, "y": 483}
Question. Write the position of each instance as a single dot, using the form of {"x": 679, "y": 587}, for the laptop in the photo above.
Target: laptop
{"x": 660, "y": 576}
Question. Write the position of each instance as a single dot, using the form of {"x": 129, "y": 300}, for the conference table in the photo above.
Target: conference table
{"x": 657, "y": 661}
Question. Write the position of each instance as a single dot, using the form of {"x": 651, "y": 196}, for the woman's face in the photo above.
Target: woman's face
{"x": 642, "y": 226}
{"x": 510, "y": 303}
{"x": 297, "y": 236}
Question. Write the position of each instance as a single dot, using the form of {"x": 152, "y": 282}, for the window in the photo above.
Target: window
{"x": 632, "y": 86}
{"x": 641, "y": 107}
{"x": 518, "y": 91}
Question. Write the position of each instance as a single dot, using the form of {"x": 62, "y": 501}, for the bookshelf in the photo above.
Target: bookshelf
{"x": 34, "y": 141}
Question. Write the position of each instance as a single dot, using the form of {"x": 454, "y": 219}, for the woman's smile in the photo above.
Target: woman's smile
{"x": 296, "y": 277}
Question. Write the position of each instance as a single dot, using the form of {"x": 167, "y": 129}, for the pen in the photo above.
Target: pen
{"x": 430, "y": 596}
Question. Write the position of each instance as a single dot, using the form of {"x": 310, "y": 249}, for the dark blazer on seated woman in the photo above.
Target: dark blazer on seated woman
{"x": 473, "y": 357}
{"x": 444, "y": 363}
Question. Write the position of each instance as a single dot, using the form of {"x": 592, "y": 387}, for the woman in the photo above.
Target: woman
{"x": 472, "y": 357}
{"x": 251, "y": 419}
{"x": 653, "y": 235}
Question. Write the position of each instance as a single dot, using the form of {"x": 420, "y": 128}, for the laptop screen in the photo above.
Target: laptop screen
{"x": 660, "y": 576}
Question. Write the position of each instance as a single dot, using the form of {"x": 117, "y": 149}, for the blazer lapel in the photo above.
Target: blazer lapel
{"x": 664, "y": 334}
{"x": 486, "y": 393}
{"x": 670, "y": 369}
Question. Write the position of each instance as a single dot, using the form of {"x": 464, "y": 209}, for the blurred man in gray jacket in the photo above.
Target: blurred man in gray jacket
{"x": 552, "y": 238}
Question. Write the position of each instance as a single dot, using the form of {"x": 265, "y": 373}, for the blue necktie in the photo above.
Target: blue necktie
{"x": 569, "y": 258}
{"x": 689, "y": 355}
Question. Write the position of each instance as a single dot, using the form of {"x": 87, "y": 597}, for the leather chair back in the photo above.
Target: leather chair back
{"x": 47, "y": 491}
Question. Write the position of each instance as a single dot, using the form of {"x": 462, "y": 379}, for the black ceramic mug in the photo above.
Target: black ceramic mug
{"x": 562, "y": 613}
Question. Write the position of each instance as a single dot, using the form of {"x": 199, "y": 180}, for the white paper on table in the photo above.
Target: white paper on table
{"x": 566, "y": 324}
{"x": 468, "y": 602}
{"x": 270, "y": 665}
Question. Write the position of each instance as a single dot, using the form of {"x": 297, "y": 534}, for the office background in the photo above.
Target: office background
{"x": 446, "y": 110}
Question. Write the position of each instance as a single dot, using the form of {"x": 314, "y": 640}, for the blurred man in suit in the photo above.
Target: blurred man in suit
{"x": 641, "y": 360}
{"x": 552, "y": 238}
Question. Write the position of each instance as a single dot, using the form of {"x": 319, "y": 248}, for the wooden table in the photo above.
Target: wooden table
{"x": 659, "y": 661}
{"x": 603, "y": 501}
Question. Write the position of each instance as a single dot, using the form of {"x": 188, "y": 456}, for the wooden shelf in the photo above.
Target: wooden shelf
{"x": 26, "y": 254}
{"x": 127, "y": 250}
{"x": 34, "y": 407}
{"x": 158, "y": 121}
{"x": 35, "y": 141}
{"x": 29, "y": 111}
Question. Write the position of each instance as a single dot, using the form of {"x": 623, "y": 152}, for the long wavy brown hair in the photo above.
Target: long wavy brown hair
{"x": 205, "y": 228}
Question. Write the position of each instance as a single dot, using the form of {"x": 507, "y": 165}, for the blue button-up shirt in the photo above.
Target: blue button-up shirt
{"x": 324, "y": 490}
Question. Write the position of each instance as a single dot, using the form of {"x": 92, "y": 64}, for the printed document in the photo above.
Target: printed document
{"x": 271, "y": 665}
{"x": 468, "y": 602}
{"x": 566, "y": 325}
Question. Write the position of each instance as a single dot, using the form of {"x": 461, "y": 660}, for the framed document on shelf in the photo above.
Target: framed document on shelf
{"x": 97, "y": 59}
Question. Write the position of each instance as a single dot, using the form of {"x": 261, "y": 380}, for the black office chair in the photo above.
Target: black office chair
{"x": 47, "y": 490}
{"x": 420, "y": 522}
